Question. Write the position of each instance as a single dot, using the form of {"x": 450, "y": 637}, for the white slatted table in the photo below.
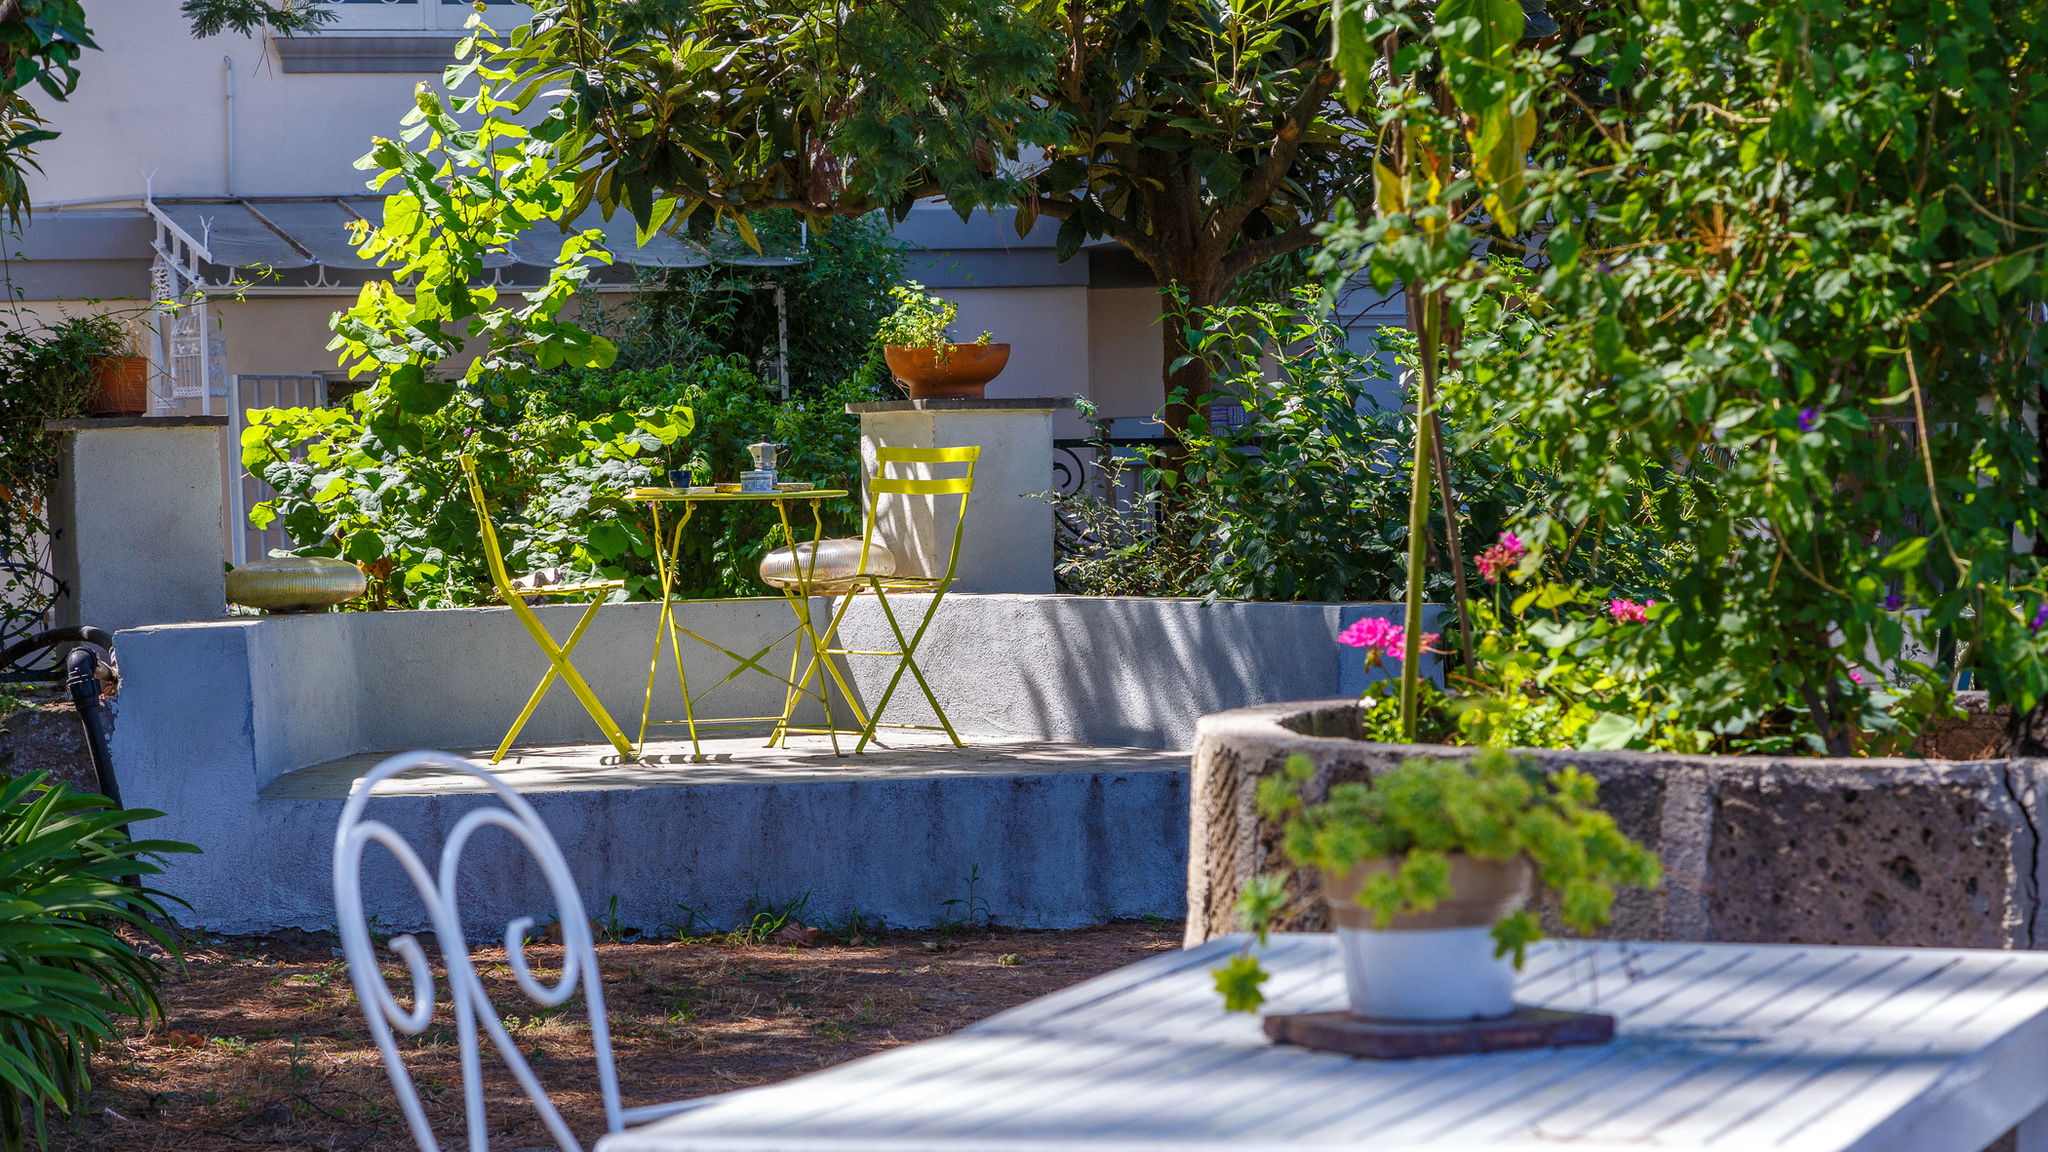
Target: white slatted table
{"x": 1723, "y": 1046}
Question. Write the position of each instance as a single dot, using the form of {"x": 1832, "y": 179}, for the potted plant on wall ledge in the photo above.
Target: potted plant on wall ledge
{"x": 95, "y": 353}
{"x": 1427, "y": 871}
{"x": 120, "y": 373}
{"x": 917, "y": 343}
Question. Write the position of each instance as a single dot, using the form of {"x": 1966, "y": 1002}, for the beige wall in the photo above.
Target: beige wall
{"x": 153, "y": 100}
{"x": 1124, "y": 351}
{"x": 1047, "y": 331}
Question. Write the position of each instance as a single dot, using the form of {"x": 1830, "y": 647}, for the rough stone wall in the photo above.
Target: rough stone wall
{"x": 1894, "y": 852}
{"x": 1978, "y": 734}
{"x": 47, "y": 738}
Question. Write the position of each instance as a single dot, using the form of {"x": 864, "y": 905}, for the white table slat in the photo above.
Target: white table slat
{"x": 1720, "y": 1046}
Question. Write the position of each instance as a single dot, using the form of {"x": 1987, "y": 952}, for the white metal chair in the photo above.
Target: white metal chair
{"x": 472, "y": 1004}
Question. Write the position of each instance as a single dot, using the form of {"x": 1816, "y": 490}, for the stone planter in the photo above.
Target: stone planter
{"x": 1789, "y": 850}
{"x": 285, "y": 584}
{"x": 1435, "y": 965}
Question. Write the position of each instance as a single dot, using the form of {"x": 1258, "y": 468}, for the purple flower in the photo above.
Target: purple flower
{"x": 1808, "y": 417}
{"x": 2041, "y": 616}
{"x": 1894, "y": 602}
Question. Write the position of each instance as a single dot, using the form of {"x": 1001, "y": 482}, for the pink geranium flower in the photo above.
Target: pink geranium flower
{"x": 1383, "y": 638}
{"x": 1505, "y": 554}
{"x": 1630, "y": 612}
{"x": 1371, "y": 632}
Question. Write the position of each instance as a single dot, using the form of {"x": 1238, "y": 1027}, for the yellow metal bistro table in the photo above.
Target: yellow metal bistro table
{"x": 667, "y": 540}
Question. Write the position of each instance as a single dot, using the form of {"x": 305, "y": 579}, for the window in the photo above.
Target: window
{"x": 421, "y": 15}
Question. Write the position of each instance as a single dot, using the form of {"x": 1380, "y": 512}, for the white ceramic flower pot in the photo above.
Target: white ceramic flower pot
{"x": 1435, "y": 965}
{"x": 1426, "y": 974}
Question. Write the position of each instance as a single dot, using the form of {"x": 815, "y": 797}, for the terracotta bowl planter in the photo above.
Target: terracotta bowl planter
{"x": 121, "y": 386}
{"x": 965, "y": 373}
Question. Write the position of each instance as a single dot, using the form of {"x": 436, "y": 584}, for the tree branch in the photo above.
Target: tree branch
{"x": 1251, "y": 255}
{"x": 1254, "y": 193}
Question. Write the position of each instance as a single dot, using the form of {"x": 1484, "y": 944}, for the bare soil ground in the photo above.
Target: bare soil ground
{"x": 266, "y": 1047}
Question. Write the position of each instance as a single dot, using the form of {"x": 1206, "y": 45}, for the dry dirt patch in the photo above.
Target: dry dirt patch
{"x": 267, "y": 1047}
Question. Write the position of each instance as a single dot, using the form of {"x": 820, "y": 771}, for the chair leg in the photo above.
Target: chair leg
{"x": 918, "y": 673}
{"x": 526, "y": 713}
{"x": 558, "y": 659}
{"x": 907, "y": 649}
{"x": 821, "y": 664}
{"x": 546, "y": 681}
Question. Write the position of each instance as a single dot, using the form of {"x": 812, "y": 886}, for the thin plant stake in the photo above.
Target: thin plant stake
{"x": 1418, "y": 517}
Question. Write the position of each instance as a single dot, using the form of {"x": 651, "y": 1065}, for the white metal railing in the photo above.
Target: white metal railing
{"x": 244, "y": 491}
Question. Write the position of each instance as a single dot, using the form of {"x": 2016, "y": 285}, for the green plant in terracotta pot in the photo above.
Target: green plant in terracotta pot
{"x": 1427, "y": 870}
{"x": 918, "y": 344}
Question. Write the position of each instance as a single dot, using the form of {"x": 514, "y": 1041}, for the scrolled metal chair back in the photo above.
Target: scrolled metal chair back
{"x": 471, "y": 1002}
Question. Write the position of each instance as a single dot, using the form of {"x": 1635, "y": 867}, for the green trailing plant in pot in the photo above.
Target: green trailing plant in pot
{"x": 1427, "y": 870}
{"x": 917, "y": 342}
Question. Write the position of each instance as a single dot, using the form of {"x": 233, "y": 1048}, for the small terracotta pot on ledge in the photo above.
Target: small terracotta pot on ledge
{"x": 964, "y": 374}
{"x": 120, "y": 386}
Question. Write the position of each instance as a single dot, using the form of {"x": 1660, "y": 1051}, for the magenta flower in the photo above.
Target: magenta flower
{"x": 1371, "y": 632}
{"x": 1630, "y": 612}
{"x": 1855, "y": 677}
{"x": 1383, "y": 638}
{"x": 1505, "y": 554}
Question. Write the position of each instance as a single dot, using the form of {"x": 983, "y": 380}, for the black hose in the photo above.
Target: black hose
{"x": 80, "y": 677}
{"x": 55, "y": 636}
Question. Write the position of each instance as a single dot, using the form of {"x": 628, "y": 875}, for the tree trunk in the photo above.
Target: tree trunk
{"x": 1190, "y": 380}
{"x": 1188, "y": 385}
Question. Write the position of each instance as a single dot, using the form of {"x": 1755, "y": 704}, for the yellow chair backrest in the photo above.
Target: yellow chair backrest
{"x": 881, "y": 484}
{"x": 493, "y": 557}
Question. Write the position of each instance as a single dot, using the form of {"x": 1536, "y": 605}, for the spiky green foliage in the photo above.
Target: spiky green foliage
{"x": 70, "y": 879}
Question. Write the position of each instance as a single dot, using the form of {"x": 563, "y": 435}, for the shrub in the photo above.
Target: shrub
{"x": 1795, "y": 270}
{"x": 69, "y": 878}
{"x": 398, "y": 506}
{"x": 46, "y": 373}
{"x": 832, "y": 304}
{"x": 1307, "y": 498}
{"x": 721, "y": 550}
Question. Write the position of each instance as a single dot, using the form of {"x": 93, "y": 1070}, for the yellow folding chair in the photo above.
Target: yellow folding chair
{"x": 557, "y": 654}
{"x": 877, "y": 574}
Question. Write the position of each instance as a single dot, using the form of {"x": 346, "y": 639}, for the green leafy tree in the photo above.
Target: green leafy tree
{"x": 375, "y": 482}
{"x": 1202, "y": 137}
{"x": 1805, "y": 247}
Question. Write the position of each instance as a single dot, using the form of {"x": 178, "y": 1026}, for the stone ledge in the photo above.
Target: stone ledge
{"x": 1755, "y": 848}
{"x": 964, "y": 404}
{"x": 101, "y": 423}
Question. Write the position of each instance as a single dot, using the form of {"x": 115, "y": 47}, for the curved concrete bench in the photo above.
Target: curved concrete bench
{"x": 1755, "y": 848}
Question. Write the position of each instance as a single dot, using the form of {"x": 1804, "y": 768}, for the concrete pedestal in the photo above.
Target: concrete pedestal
{"x": 1008, "y": 543}
{"x": 137, "y": 518}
